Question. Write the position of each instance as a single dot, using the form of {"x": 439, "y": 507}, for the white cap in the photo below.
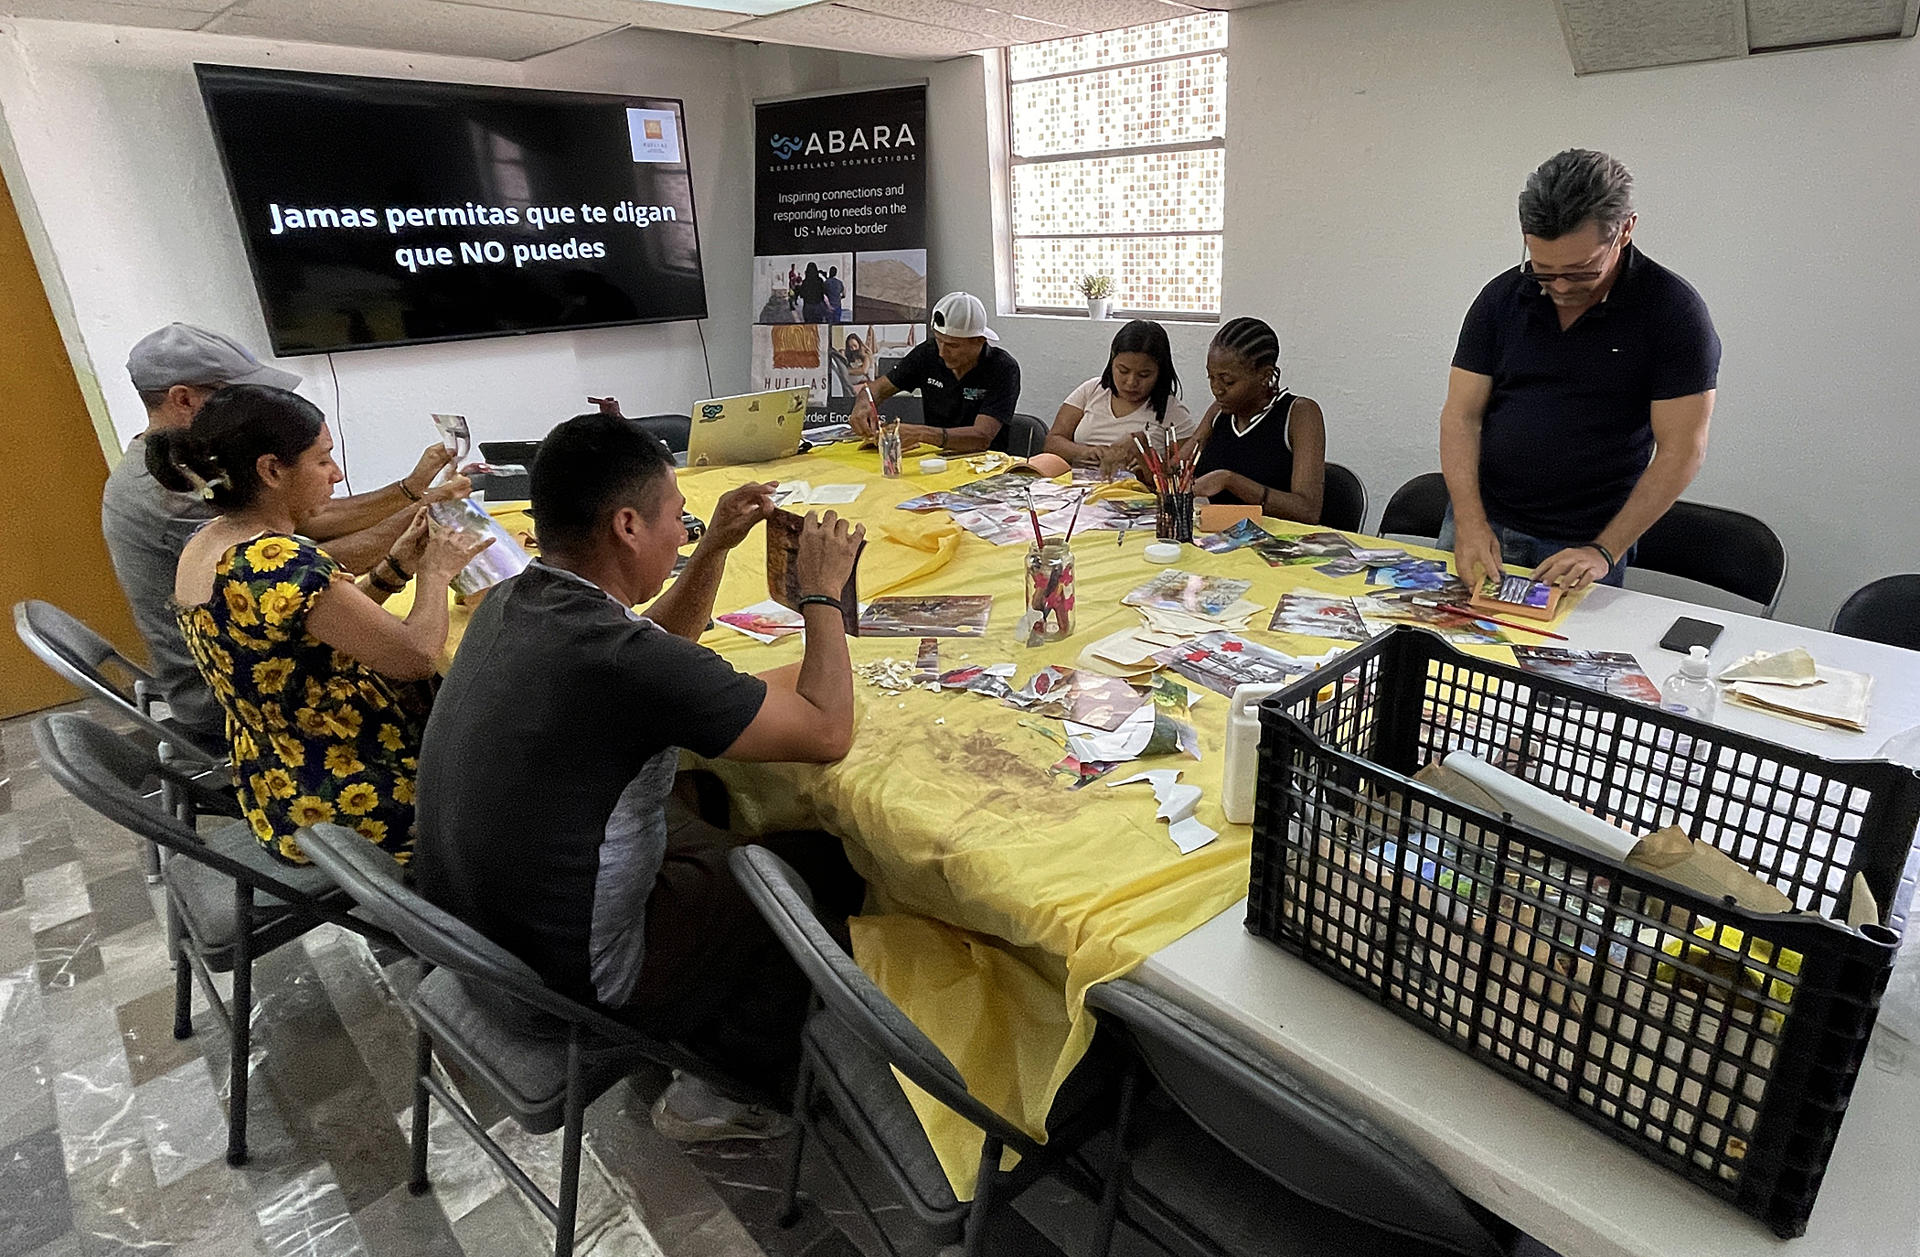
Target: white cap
{"x": 961, "y": 314}
{"x": 1695, "y": 664}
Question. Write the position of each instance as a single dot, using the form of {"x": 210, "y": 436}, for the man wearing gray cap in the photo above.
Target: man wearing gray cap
{"x": 175, "y": 370}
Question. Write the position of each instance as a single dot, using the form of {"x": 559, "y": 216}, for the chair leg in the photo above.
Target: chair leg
{"x": 182, "y": 973}
{"x": 241, "y": 1044}
{"x": 576, "y": 1113}
{"x": 989, "y": 1177}
{"x": 417, "y": 1182}
{"x": 789, "y": 1211}
{"x": 1102, "y": 1241}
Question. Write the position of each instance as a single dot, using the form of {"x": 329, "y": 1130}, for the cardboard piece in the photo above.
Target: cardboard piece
{"x": 1703, "y": 867}
{"x": 1222, "y": 517}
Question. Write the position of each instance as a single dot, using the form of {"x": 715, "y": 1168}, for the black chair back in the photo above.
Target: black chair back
{"x": 1343, "y": 505}
{"x": 1417, "y": 508}
{"x": 672, "y": 431}
{"x": 1729, "y": 550}
{"x": 1887, "y": 610}
{"x": 1275, "y": 1123}
{"x": 78, "y": 654}
{"x": 1023, "y": 436}
{"x": 110, "y": 773}
{"x": 850, "y": 995}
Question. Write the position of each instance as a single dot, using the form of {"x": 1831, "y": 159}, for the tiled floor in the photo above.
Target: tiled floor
{"x": 113, "y": 1134}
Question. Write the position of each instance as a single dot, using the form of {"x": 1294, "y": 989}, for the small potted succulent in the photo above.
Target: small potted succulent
{"x": 1098, "y": 290}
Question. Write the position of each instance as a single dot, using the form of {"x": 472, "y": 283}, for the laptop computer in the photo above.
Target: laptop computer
{"x": 751, "y": 428}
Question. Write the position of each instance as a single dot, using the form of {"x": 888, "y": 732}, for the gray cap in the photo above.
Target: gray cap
{"x": 181, "y": 353}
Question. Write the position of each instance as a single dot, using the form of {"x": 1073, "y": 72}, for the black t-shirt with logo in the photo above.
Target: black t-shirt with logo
{"x": 992, "y": 388}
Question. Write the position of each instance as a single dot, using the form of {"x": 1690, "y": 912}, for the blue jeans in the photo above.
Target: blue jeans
{"x": 1524, "y": 550}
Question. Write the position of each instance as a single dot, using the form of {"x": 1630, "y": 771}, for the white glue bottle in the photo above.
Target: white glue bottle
{"x": 1242, "y": 767}
{"x": 1689, "y": 691}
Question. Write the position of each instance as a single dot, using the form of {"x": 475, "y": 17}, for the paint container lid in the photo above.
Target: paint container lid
{"x": 1163, "y": 552}
{"x": 932, "y": 466}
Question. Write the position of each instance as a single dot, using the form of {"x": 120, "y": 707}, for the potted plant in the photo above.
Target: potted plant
{"x": 1098, "y": 290}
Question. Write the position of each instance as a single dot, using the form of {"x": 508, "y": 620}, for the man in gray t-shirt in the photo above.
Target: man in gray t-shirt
{"x": 175, "y": 370}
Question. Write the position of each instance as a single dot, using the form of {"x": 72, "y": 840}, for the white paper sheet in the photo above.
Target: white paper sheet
{"x": 1176, "y": 805}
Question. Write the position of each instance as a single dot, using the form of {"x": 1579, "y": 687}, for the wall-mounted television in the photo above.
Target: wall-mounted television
{"x": 390, "y": 211}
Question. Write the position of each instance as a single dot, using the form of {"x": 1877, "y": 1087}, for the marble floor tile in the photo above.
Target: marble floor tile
{"x": 12, "y": 889}
{"x": 23, "y": 1023}
{"x": 55, "y": 895}
{"x": 36, "y": 1206}
{"x": 182, "y": 1120}
{"x": 463, "y": 1178}
{"x": 120, "y": 901}
{"x": 67, "y": 954}
{"x": 137, "y": 962}
{"x": 146, "y": 1033}
{"x": 405, "y": 1225}
{"x": 81, "y": 1023}
{"x": 95, "y": 1105}
{"x": 503, "y": 1225}
{"x": 26, "y": 1100}
{"x": 306, "y": 1216}
{"x": 349, "y": 1131}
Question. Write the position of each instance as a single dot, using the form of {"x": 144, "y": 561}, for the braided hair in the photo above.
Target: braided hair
{"x": 1250, "y": 339}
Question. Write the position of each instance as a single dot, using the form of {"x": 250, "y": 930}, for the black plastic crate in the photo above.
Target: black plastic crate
{"x": 1718, "y": 1042}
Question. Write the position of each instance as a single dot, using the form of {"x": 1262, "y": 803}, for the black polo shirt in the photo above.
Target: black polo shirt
{"x": 1567, "y": 431}
{"x": 992, "y": 388}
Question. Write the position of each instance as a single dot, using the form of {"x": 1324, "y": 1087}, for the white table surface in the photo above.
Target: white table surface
{"x": 1562, "y": 1181}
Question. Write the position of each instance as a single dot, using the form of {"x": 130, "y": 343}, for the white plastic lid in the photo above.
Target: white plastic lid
{"x": 1695, "y": 664}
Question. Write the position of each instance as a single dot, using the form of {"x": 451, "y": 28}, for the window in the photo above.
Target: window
{"x": 1117, "y": 143}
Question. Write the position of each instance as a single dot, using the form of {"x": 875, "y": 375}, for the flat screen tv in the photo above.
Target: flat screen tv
{"x": 388, "y": 211}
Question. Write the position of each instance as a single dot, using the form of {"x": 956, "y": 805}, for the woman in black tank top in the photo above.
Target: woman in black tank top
{"x": 1263, "y": 446}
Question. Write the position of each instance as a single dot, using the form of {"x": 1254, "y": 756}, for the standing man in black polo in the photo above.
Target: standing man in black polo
{"x": 1578, "y": 403}
{"x": 969, "y": 388}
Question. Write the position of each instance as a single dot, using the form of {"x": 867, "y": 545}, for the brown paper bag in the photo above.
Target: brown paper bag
{"x": 1703, "y": 867}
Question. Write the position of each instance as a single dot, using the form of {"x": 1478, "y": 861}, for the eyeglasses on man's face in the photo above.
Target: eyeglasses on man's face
{"x": 1544, "y": 278}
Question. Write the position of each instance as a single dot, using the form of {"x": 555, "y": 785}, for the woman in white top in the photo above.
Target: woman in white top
{"x": 1135, "y": 393}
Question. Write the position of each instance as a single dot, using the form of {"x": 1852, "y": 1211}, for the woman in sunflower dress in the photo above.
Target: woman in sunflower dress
{"x": 325, "y": 693}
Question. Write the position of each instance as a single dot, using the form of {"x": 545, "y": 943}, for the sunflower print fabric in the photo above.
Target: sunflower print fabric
{"x": 316, "y": 734}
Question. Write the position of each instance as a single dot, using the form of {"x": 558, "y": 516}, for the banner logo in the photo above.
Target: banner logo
{"x": 858, "y": 140}
{"x": 786, "y": 145}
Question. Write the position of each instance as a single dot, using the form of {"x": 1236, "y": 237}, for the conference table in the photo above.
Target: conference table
{"x": 999, "y": 894}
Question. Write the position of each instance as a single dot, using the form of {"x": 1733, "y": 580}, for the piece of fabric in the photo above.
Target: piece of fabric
{"x": 1100, "y": 426}
{"x": 316, "y": 734}
{"x": 1261, "y": 450}
{"x": 991, "y": 388}
{"x": 146, "y": 526}
{"x": 1567, "y": 431}
{"x": 547, "y": 745}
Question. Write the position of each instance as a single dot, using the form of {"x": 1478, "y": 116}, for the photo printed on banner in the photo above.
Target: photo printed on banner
{"x": 890, "y": 287}
{"x": 864, "y": 353}
{"x": 803, "y": 288}
{"x": 791, "y": 356}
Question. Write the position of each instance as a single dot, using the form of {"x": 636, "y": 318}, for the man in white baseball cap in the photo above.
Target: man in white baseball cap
{"x": 175, "y": 370}
{"x": 969, "y": 386}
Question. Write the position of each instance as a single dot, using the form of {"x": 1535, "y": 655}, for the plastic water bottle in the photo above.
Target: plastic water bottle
{"x": 1242, "y": 769}
{"x": 1689, "y": 691}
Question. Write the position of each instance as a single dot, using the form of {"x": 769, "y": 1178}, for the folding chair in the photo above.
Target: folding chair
{"x": 228, "y": 901}
{"x": 545, "y": 1056}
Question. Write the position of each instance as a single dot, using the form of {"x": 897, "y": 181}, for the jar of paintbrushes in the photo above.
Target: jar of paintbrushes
{"x": 1171, "y": 471}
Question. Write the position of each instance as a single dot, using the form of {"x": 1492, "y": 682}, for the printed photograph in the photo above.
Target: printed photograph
{"x": 1222, "y": 662}
{"x": 804, "y": 288}
{"x": 789, "y": 356}
{"x": 1316, "y": 616}
{"x": 950, "y": 615}
{"x": 861, "y": 354}
{"x": 1612, "y": 672}
{"x": 891, "y": 286}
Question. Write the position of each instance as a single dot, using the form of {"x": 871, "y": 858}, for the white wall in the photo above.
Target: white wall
{"x": 1375, "y": 151}
{"x": 112, "y": 153}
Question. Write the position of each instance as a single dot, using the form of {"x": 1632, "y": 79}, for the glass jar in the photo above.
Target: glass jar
{"x": 889, "y": 442}
{"x": 1049, "y": 593}
{"x": 1173, "y": 521}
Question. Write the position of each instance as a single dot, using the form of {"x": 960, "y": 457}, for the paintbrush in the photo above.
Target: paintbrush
{"x": 1471, "y": 613}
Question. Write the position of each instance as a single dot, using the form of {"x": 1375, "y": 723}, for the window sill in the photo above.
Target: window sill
{"x": 1064, "y": 316}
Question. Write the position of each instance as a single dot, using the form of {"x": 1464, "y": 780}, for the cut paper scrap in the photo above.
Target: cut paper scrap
{"x": 1787, "y": 667}
{"x": 764, "y": 621}
{"x": 800, "y": 493}
{"x": 1115, "y": 746}
{"x": 1176, "y": 805}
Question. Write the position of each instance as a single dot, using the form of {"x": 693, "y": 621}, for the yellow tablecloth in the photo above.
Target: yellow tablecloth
{"x": 999, "y": 895}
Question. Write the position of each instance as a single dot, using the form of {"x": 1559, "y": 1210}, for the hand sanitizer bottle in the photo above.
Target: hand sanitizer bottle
{"x": 1689, "y": 691}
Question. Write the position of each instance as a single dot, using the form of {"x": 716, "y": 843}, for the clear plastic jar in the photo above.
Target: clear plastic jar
{"x": 1049, "y": 593}
{"x": 889, "y": 442}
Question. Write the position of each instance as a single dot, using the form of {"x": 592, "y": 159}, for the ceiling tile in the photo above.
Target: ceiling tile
{"x": 180, "y": 15}
{"x": 1094, "y": 15}
{"x": 847, "y": 29}
{"x": 988, "y": 26}
{"x": 659, "y": 17}
{"x": 410, "y": 25}
{"x": 1782, "y": 23}
{"x": 1624, "y": 34}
